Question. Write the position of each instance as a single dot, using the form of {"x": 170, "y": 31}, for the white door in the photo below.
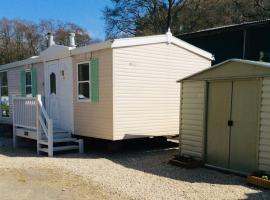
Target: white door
{"x": 58, "y": 93}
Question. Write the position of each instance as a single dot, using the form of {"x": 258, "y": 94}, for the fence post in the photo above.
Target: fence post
{"x": 50, "y": 138}
{"x": 13, "y": 122}
{"x": 37, "y": 123}
{"x": 81, "y": 146}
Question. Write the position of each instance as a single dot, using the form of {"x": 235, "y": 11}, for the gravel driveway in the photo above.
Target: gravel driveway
{"x": 142, "y": 174}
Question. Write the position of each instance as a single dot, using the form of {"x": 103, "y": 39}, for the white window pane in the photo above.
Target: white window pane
{"x": 83, "y": 91}
{"x": 4, "y": 91}
{"x": 28, "y": 89}
{"x": 3, "y": 77}
{"x": 28, "y": 78}
{"x": 83, "y": 72}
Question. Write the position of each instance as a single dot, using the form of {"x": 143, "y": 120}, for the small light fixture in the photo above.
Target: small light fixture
{"x": 62, "y": 74}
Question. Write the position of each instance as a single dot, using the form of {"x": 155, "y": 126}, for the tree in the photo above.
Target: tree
{"x": 172, "y": 9}
{"x": 253, "y": 9}
{"x": 198, "y": 14}
{"x": 61, "y": 32}
{"x": 139, "y": 17}
{"x": 20, "y": 39}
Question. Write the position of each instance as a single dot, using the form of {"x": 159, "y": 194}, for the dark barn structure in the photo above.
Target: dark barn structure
{"x": 249, "y": 40}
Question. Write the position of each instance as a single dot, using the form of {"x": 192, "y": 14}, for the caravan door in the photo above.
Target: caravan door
{"x": 59, "y": 93}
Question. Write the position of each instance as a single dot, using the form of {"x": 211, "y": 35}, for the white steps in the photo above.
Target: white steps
{"x": 57, "y": 136}
{"x": 62, "y": 141}
{"x": 58, "y": 140}
{"x": 31, "y": 121}
{"x": 61, "y": 148}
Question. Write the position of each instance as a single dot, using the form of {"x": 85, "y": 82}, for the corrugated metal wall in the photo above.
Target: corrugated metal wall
{"x": 192, "y": 118}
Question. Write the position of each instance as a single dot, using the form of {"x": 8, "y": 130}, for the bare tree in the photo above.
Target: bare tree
{"x": 5, "y": 40}
{"x": 20, "y": 39}
{"x": 139, "y": 17}
{"x": 172, "y": 8}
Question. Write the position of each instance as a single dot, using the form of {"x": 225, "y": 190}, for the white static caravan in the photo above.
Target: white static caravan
{"x": 114, "y": 90}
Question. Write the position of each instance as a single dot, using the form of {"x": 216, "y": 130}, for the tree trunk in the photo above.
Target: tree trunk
{"x": 169, "y": 16}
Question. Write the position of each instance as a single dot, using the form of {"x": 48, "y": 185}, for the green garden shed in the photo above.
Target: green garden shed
{"x": 225, "y": 116}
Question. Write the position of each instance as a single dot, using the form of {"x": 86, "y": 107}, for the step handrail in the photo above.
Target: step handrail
{"x": 46, "y": 125}
{"x": 44, "y": 112}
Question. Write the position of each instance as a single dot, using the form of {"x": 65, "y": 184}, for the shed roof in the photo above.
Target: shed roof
{"x": 226, "y": 28}
{"x": 240, "y": 68}
{"x": 64, "y": 51}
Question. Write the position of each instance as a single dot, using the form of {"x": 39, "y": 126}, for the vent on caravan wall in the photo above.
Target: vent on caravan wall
{"x": 72, "y": 40}
{"x": 50, "y": 39}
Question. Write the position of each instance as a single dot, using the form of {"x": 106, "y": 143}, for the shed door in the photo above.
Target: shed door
{"x": 245, "y": 102}
{"x": 218, "y": 134}
{"x": 233, "y": 146}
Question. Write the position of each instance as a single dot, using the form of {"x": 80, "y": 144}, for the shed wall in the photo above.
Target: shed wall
{"x": 193, "y": 112}
{"x": 146, "y": 95}
{"x": 95, "y": 119}
{"x": 264, "y": 141}
{"x": 192, "y": 120}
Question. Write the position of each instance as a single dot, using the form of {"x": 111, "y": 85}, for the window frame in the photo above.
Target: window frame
{"x": 89, "y": 82}
{"x": 28, "y": 95}
{"x": 6, "y": 86}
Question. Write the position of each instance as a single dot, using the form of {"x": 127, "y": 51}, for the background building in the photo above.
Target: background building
{"x": 249, "y": 40}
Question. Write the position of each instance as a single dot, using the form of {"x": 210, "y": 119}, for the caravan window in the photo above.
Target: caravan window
{"x": 4, "y": 94}
{"x": 28, "y": 83}
{"x": 83, "y": 81}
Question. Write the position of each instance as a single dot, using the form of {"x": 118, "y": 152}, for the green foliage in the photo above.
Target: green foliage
{"x": 5, "y": 109}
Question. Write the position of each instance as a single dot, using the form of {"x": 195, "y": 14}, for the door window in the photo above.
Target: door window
{"x": 52, "y": 83}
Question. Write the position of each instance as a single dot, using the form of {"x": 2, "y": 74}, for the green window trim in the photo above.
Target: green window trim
{"x": 94, "y": 74}
{"x": 34, "y": 81}
{"x": 22, "y": 83}
{"x": 88, "y": 86}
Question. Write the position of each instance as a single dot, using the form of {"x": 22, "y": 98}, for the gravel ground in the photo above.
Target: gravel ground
{"x": 142, "y": 174}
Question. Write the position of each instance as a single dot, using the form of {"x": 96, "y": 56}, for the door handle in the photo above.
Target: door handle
{"x": 230, "y": 122}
